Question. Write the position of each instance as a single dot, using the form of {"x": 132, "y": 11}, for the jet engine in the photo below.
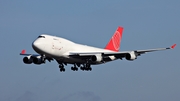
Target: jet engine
{"x": 38, "y": 60}
{"x": 28, "y": 59}
{"x": 131, "y": 56}
{"x": 97, "y": 58}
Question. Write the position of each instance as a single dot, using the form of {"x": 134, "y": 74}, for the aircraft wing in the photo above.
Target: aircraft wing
{"x": 120, "y": 55}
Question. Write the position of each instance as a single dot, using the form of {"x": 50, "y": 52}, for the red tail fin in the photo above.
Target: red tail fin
{"x": 115, "y": 41}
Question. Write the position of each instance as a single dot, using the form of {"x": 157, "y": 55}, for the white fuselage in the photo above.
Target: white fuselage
{"x": 60, "y": 48}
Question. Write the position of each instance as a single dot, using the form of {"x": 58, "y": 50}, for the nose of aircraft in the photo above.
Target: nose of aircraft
{"x": 36, "y": 45}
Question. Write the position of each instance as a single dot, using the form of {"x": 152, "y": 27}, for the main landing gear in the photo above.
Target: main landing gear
{"x": 84, "y": 67}
{"x": 61, "y": 67}
{"x": 74, "y": 68}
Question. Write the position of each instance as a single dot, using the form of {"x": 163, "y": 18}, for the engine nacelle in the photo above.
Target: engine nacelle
{"x": 28, "y": 60}
{"x": 97, "y": 58}
{"x": 37, "y": 60}
{"x": 131, "y": 56}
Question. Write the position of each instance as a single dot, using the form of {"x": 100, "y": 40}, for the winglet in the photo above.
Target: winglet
{"x": 115, "y": 41}
{"x": 23, "y": 51}
{"x": 173, "y": 46}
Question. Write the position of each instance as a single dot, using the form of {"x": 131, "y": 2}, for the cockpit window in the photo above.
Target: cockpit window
{"x": 41, "y": 36}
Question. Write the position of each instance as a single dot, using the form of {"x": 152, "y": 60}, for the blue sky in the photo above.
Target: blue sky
{"x": 147, "y": 24}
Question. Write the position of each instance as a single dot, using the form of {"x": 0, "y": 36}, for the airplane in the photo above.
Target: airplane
{"x": 66, "y": 52}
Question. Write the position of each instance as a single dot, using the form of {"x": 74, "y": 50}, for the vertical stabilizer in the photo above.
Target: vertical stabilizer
{"x": 115, "y": 41}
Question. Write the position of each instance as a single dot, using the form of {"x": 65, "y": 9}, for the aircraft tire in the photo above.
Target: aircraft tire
{"x": 62, "y": 69}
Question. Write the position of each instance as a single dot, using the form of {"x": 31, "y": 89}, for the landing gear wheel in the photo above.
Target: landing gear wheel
{"x": 62, "y": 70}
{"x": 86, "y": 69}
{"x": 61, "y": 66}
{"x": 74, "y": 68}
{"x": 82, "y": 68}
{"x": 90, "y": 68}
